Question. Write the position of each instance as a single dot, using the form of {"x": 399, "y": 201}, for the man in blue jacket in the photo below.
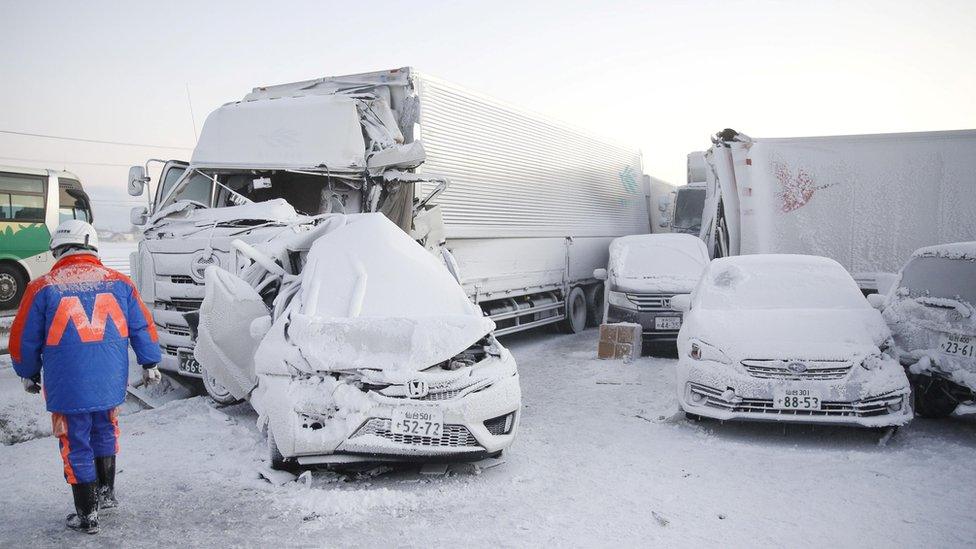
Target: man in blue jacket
{"x": 74, "y": 327}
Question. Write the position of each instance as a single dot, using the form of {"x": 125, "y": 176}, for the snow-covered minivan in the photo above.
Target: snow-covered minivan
{"x": 643, "y": 273}
{"x": 786, "y": 338}
{"x": 931, "y": 311}
{"x": 354, "y": 343}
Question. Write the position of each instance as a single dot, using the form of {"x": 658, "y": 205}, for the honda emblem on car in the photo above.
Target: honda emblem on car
{"x": 417, "y": 388}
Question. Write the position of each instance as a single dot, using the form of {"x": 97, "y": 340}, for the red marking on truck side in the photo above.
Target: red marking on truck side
{"x": 795, "y": 191}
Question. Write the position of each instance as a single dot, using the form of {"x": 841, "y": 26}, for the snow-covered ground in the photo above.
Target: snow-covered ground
{"x": 602, "y": 459}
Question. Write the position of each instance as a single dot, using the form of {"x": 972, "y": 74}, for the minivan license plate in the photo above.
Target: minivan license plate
{"x": 420, "y": 422}
{"x": 796, "y": 399}
{"x": 188, "y": 363}
{"x": 667, "y": 323}
{"x": 958, "y": 345}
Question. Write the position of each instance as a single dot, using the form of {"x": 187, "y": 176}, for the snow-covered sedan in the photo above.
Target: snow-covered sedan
{"x": 931, "y": 311}
{"x": 786, "y": 338}
{"x": 354, "y": 343}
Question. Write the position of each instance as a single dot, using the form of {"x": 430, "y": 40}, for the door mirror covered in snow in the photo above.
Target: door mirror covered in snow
{"x": 600, "y": 274}
{"x": 138, "y": 215}
{"x": 876, "y": 300}
{"x": 681, "y": 303}
{"x": 137, "y": 180}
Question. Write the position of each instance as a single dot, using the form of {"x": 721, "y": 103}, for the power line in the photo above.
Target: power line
{"x": 60, "y": 162}
{"x": 99, "y": 141}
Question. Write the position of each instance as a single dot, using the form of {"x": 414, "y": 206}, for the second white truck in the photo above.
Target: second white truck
{"x": 866, "y": 201}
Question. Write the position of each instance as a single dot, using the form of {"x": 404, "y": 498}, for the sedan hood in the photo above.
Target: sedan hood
{"x": 810, "y": 334}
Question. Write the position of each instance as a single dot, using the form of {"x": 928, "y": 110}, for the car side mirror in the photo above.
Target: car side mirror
{"x": 681, "y": 303}
{"x": 137, "y": 180}
{"x": 600, "y": 274}
{"x": 876, "y": 300}
{"x": 139, "y": 215}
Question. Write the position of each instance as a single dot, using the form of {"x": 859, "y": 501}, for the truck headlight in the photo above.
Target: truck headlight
{"x": 619, "y": 299}
{"x": 703, "y": 351}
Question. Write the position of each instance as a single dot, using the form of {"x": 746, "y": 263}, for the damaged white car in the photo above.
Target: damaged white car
{"x": 786, "y": 338}
{"x": 932, "y": 314}
{"x": 354, "y": 343}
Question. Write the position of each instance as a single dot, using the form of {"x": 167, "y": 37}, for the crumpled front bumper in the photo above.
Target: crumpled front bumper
{"x": 862, "y": 398}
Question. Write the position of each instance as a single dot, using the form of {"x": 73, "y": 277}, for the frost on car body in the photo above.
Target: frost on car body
{"x": 368, "y": 350}
{"x": 931, "y": 311}
{"x": 786, "y": 338}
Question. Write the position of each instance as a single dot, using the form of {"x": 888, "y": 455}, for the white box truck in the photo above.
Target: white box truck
{"x": 867, "y": 201}
{"x": 529, "y": 209}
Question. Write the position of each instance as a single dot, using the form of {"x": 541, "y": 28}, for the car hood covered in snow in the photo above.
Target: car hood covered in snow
{"x": 372, "y": 298}
{"x": 810, "y": 334}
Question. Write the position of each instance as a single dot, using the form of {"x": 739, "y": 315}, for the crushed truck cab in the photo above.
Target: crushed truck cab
{"x": 353, "y": 342}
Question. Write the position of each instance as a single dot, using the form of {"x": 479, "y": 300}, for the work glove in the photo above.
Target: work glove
{"x": 32, "y": 385}
{"x": 151, "y": 375}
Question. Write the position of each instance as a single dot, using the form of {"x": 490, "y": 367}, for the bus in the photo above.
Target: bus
{"x": 32, "y": 204}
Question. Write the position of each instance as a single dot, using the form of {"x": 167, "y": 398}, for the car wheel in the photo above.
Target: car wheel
{"x": 575, "y": 321}
{"x": 594, "y": 305}
{"x": 12, "y": 286}
{"x": 218, "y": 392}
{"x": 932, "y": 398}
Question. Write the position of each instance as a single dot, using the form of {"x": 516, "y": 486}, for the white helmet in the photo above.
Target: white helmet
{"x": 75, "y": 232}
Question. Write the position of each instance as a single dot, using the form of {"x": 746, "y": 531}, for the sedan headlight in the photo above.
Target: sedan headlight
{"x": 703, "y": 351}
{"x": 619, "y": 299}
{"x": 872, "y": 362}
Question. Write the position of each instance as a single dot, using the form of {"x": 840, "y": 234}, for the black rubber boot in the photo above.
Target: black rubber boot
{"x": 105, "y": 467}
{"x": 85, "y": 517}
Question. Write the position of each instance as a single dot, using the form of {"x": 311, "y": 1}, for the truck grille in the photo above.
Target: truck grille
{"x": 177, "y": 329}
{"x": 815, "y": 369}
{"x": 651, "y": 302}
{"x": 875, "y": 406}
{"x": 183, "y": 279}
{"x": 180, "y": 304}
{"x": 453, "y": 436}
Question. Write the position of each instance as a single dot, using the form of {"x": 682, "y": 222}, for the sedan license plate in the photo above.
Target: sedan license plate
{"x": 667, "y": 323}
{"x": 958, "y": 345}
{"x": 420, "y": 422}
{"x": 796, "y": 399}
{"x": 187, "y": 363}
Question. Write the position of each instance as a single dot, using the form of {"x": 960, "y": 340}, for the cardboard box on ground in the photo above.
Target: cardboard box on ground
{"x": 621, "y": 340}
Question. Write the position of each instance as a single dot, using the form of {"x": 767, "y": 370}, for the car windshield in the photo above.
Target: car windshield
{"x": 774, "y": 285}
{"x": 941, "y": 277}
{"x": 688, "y": 206}
{"x": 646, "y": 260}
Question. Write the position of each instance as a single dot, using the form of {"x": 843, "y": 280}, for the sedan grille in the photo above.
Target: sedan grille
{"x": 651, "y": 302}
{"x": 797, "y": 369}
{"x": 453, "y": 436}
{"x": 875, "y": 406}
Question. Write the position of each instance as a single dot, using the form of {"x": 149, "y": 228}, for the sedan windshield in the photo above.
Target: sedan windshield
{"x": 941, "y": 277}
{"x": 779, "y": 286}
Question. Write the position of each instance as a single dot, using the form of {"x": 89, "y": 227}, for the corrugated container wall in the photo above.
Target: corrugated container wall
{"x": 515, "y": 174}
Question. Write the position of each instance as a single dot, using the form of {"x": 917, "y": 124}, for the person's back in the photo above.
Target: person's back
{"x": 73, "y": 328}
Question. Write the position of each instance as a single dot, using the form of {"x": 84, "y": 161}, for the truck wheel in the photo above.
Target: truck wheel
{"x": 12, "y": 286}
{"x": 575, "y": 321}
{"x": 218, "y": 392}
{"x": 932, "y": 398}
{"x": 594, "y": 305}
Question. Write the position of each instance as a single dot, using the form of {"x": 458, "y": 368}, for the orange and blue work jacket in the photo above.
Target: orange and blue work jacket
{"x": 76, "y": 323}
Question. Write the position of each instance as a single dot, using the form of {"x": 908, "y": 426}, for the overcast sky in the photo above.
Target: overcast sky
{"x": 661, "y": 76}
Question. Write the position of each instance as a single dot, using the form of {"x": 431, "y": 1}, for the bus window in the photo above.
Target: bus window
{"x": 22, "y": 197}
{"x": 73, "y": 205}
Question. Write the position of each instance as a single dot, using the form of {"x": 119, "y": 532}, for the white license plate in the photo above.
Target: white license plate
{"x": 188, "y": 363}
{"x": 796, "y": 399}
{"x": 958, "y": 345}
{"x": 420, "y": 422}
{"x": 667, "y": 323}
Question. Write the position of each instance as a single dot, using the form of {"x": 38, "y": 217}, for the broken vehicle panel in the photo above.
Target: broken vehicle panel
{"x": 362, "y": 345}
